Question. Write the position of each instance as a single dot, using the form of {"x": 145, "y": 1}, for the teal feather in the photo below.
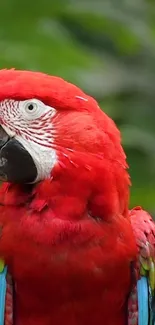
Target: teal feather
{"x": 3, "y": 286}
{"x": 143, "y": 301}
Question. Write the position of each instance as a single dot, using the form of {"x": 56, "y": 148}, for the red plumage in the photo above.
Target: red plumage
{"x": 68, "y": 240}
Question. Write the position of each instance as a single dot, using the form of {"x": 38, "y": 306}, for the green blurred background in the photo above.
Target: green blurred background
{"x": 105, "y": 47}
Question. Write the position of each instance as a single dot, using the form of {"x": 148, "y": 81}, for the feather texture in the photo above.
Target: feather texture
{"x": 6, "y": 296}
{"x": 3, "y": 286}
{"x": 143, "y": 301}
{"x": 144, "y": 293}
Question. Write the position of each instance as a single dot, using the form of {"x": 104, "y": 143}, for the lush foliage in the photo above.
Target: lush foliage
{"x": 107, "y": 48}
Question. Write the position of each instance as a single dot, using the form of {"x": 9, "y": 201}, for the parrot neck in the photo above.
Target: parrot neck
{"x": 70, "y": 197}
{"x": 46, "y": 194}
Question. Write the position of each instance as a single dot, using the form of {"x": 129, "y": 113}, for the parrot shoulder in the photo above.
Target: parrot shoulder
{"x": 141, "y": 305}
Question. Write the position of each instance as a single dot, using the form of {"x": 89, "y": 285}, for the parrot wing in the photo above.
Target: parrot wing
{"x": 141, "y": 303}
{"x": 6, "y": 296}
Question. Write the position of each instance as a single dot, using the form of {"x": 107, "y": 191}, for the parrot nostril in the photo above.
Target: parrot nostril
{"x": 4, "y": 137}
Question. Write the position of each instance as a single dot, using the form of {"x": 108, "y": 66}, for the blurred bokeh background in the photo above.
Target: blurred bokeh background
{"x": 107, "y": 47}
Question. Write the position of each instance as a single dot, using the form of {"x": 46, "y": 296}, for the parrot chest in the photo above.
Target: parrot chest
{"x": 78, "y": 296}
{"x": 75, "y": 280}
{"x": 70, "y": 286}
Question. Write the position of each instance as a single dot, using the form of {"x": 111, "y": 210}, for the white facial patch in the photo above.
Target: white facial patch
{"x": 30, "y": 122}
{"x": 44, "y": 158}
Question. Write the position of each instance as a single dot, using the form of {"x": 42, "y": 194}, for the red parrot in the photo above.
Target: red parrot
{"x": 74, "y": 251}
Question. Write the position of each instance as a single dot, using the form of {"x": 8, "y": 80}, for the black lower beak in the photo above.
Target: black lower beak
{"x": 3, "y": 137}
{"x": 16, "y": 163}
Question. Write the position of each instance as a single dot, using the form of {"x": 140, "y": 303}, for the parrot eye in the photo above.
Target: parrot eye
{"x": 31, "y": 108}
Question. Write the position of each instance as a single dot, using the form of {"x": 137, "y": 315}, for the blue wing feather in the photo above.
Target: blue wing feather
{"x": 143, "y": 301}
{"x": 2, "y": 294}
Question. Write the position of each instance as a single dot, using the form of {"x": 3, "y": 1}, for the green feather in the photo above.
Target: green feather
{"x": 1, "y": 266}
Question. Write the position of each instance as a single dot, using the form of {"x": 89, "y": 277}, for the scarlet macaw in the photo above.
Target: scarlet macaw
{"x": 76, "y": 255}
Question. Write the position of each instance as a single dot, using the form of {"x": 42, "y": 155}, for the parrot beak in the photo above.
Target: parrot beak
{"x": 16, "y": 163}
{"x": 4, "y": 137}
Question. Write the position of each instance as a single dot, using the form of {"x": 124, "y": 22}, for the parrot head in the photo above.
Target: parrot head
{"x": 52, "y": 132}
